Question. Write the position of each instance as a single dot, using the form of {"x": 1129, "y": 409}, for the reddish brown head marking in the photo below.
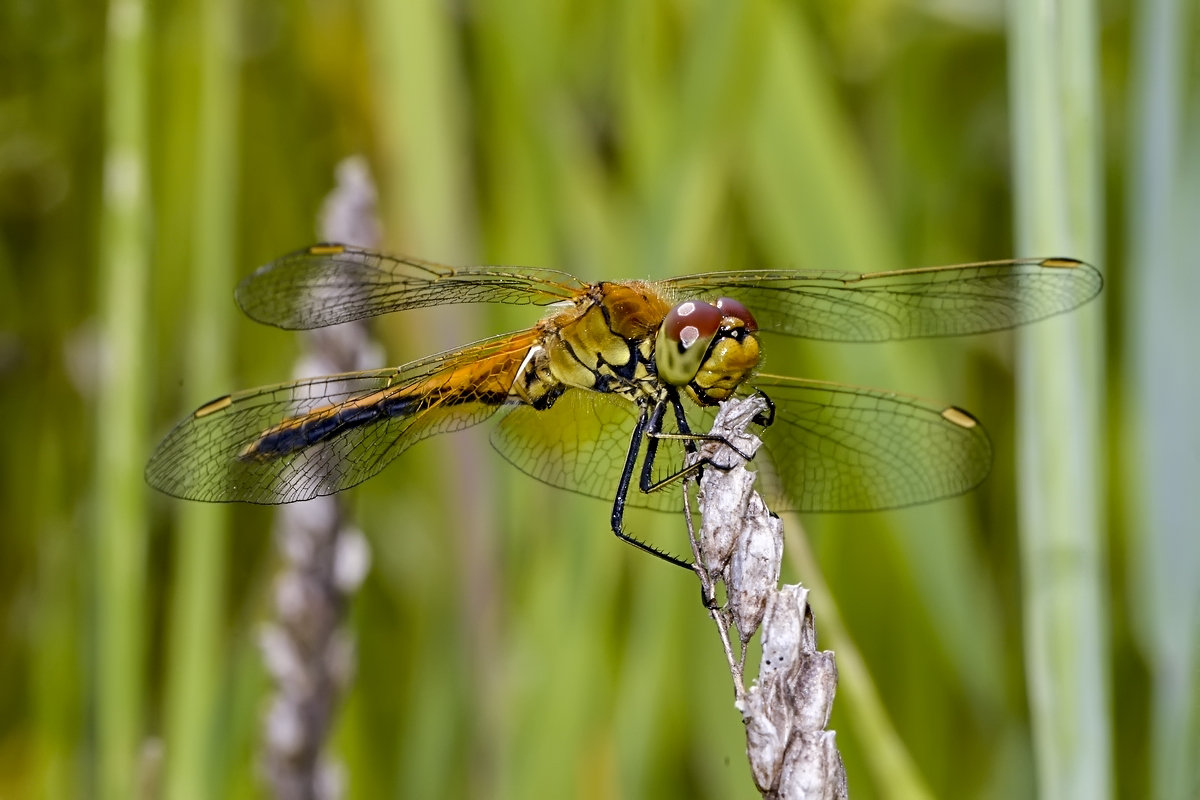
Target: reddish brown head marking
{"x": 690, "y": 322}
{"x": 734, "y": 308}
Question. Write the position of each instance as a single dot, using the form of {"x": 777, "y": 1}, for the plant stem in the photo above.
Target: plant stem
{"x": 1058, "y": 199}
{"x": 194, "y": 655}
{"x": 121, "y": 408}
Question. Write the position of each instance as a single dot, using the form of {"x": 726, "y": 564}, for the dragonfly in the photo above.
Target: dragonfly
{"x": 619, "y": 379}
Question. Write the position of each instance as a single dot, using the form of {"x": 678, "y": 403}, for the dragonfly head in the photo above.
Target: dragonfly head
{"x": 709, "y": 349}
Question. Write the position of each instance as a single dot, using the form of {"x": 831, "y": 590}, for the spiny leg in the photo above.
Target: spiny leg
{"x": 645, "y": 419}
{"x": 655, "y": 434}
{"x": 649, "y": 425}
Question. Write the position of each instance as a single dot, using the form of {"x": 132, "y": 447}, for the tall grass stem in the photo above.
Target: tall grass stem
{"x": 121, "y": 407}
{"x": 197, "y": 599}
{"x": 1162, "y": 433}
{"x": 1056, "y": 137}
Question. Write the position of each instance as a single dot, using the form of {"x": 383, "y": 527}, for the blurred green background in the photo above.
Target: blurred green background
{"x": 507, "y": 645}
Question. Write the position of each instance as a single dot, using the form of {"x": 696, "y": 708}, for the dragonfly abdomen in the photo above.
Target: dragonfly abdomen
{"x": 298, "y": 433}
{"x": 328, "y": 423}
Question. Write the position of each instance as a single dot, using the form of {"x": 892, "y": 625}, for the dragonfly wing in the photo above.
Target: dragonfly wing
{"x": 330, "y": 283}
{"x": 902, "y": 304}
{"x": 580, "y": 444}
{"x": 312, "y": 437}
{"x": 831, "y": 448}
{"x": 844, "y": 448}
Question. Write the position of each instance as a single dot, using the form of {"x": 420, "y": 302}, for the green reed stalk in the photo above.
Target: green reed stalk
{"x": 121, "y": 407}
{"x": 816, "y": 200}
{"x": 1163, "y": 434}
{"x": 428, "y": 209}
{"x": 1056, "y": 126}
{"x": 198, "y": 589}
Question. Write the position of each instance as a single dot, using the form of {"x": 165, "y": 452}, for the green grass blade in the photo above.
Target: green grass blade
{"x": 1056, "y": 126}
{"x": 195, "y": 648}
{"x": 121, "y": 407}
{"x": 1163, "y": 206}
{"x": 428, "y": 208}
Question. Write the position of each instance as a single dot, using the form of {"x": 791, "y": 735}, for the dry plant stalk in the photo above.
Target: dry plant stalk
{"x": 740, "y": 545}
{"x": 306, "y": 649}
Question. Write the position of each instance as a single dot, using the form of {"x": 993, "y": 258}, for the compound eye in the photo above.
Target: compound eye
{"x": 733, "y": 308}
{"x": 683, "y": 339}
{"x": 692, "y": 322}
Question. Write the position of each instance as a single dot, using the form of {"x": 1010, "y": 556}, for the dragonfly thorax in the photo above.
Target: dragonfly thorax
{"x": 624, "y": 339}
{"x": 603, "y": 343}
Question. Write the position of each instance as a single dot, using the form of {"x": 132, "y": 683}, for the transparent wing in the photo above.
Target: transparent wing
{"x": 844, "y": 448}
{"x": 298, "y": 440}
{"x": 831, "y": 448}
{"x": 579, "y": 443}
{"x": 331, "y": 283}
{"x": 928, "y": 301}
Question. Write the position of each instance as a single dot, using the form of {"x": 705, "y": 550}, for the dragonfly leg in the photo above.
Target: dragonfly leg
{"x": 647, "y": 419}
{"x": 655, "y": 434}
{"x": 765, "y": 418}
